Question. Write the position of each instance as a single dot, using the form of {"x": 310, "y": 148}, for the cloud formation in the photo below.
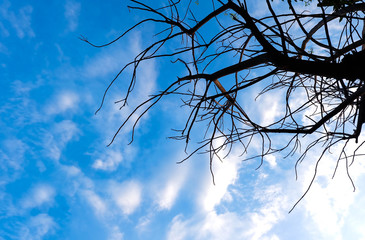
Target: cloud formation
{"x": 38, "y": 196}
{"x": 64, "y": 102}
{"x": 126, "y": 195}
{"x": 109, "y": 161}
{"x": 72, "y": 12}
{"x": 38, "y": 227}
{"x": 20, "y": 21}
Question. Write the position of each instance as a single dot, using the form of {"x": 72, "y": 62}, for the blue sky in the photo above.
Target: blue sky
{"x": 58, "y": 180}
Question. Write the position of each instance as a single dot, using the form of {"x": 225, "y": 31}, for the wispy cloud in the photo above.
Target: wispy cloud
{"x": 324, "y": 206}
{"x": 225, "y": 174}
{"x": 329, "y": 201}
{"x": 80, "y": 185}
{"x": 126, "y": 195}
{"x": 12, "y": 154}
{"x": 254, "y": 225}
{"x": 208, "y": 226}
{"x": 38, "y": 227}
{"x": 59, "y": 136}
{"x": 106, "y": 65}
{"x": 72, "y": 12}
{"x": 95, "y": 201}
{"x": 64, "y": 102}
{"x": 272, "y": 209}
{"x": 109, "y": 161}
{"x": 39, "y": 195}
{"x": 168, "y": 194}
{"x": 108, "y": 120}
{"x": 115, "y": 234}
{"x": 168, "y": 184}
{"x": 20, "y": 21}
{"x": 178, "y": 229}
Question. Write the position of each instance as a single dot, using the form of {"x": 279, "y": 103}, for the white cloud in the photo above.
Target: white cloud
{"x": 210, "y": 226}
{"x": 72, "y": 12}
{"x": 208, "y": 223}
{"x": 178, "y": 229}
{"x": 71, "y": 170}
{"x": 144, "y": 222}
{"x": 255, "y": 224}
{"x": 168, "y": 195}
{"x": 109, "y": 161}
{"x": 23, "y": 88}
{"x": 329, "y": 203}
{"x": 64, "y": 102}
{"x": 271, "y": 159}
{"x": 38, "y": 227}
{"x": 225, "y": 174}
{"x": 214, "y": 226}
{"x": 115, "y": 234}
{"x": 169, "y": 185}
{"x": 270, "y": 108}
{"x": 127, "y": 195}
{"x": 38, "y": 196}
{"x": 77, "y": 182}
{"x": 95, "y": 202}
{"x": 271, "y": 211}
{"x": 325, "y": 211}
{"x": 20, "y": 21}
{"x": 66, "y": 130}
{"x": 58, "y": 138}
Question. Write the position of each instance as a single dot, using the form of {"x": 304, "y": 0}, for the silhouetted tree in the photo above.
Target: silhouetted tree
{"x": 315, "y": 57}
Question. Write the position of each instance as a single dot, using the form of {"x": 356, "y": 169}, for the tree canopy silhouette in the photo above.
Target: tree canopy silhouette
{"x": 313, "y": 55}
